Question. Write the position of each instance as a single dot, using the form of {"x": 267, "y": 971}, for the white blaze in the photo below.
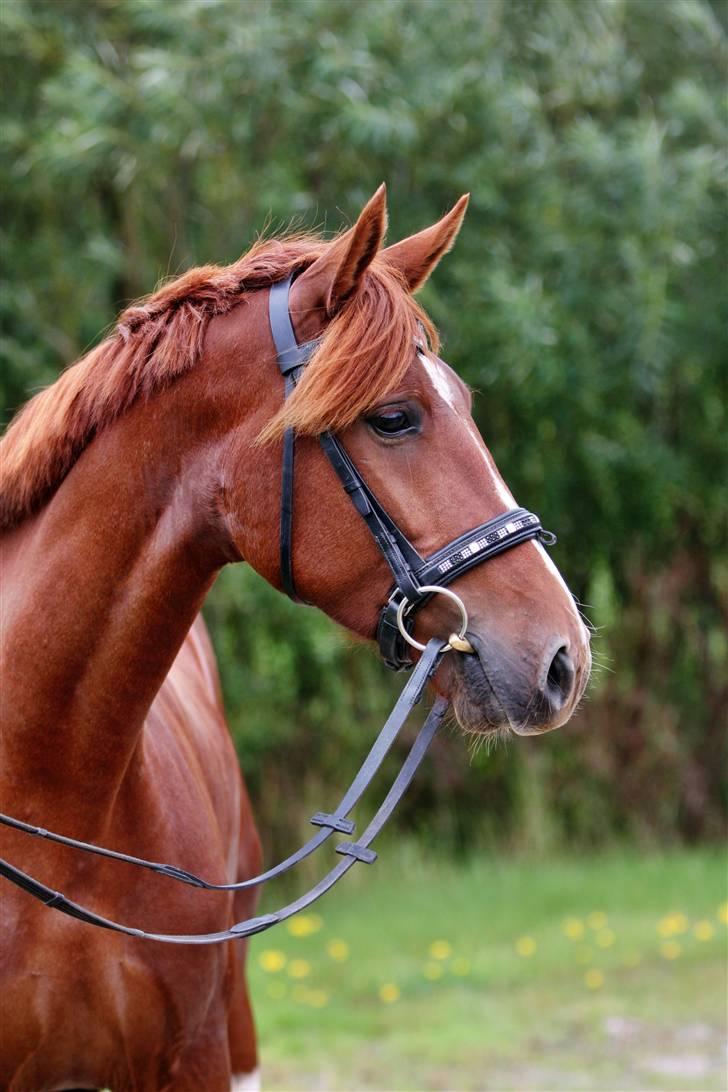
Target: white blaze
{"x": 543, "y": 554}
{"x": 447, "y": 391}
{"x": 499, "y": 485}
{"x": 445, "y": 388}
{"x": 441, "y": 381}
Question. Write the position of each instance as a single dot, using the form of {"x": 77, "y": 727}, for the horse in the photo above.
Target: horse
{"x": 125, "y": 487}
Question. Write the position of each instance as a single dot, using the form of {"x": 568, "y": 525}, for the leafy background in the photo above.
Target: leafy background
{"x": 585, "y": 302}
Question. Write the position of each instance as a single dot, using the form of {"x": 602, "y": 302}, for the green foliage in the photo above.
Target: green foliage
{"x": 585, "y": 303}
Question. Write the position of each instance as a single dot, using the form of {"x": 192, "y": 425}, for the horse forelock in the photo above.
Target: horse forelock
{"x": 361, "y": 358}
{"x": 362, "y": 355}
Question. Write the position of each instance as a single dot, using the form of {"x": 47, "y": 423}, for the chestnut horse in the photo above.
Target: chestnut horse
{"x": 126, "y": 486}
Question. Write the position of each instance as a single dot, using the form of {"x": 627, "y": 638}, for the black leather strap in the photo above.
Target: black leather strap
{"x": 483, "y": 542}
{"x": 291, "y": 359}
{"x": 465, "y": 552}
{"x": 327, "y": 822}
{"x": 358, "y": 851}
{"x": 400, "y": 555}
{"x": 398, "y": 552}
{"x": 291, "y": 355}
{"x": 286, "y": 524}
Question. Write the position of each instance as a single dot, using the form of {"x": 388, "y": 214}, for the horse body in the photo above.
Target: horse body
{"x": 74, "y": 1002}
{"x": 122, "y": 739}
{"x": 126, "y": 487}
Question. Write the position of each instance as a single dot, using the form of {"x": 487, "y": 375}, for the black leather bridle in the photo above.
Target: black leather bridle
{"x": 416, "y": 580}
{"x": 412, "y": 573}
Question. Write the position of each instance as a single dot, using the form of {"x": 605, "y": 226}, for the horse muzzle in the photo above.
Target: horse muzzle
{"x": 517, "y": 689}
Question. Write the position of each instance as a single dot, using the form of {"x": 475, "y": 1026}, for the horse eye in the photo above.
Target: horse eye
{"x": 392, "y": 422}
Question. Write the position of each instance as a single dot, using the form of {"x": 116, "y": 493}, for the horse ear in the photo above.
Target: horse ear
{"x": 417, "y": 256}
{"x": 334, "y": 277}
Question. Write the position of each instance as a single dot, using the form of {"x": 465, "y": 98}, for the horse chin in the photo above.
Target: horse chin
{"x": 475, "y": 703}
{"x": 478, "y": 708}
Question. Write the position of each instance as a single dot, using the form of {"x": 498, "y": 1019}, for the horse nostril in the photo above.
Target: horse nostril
{"x": 560, "y": 679}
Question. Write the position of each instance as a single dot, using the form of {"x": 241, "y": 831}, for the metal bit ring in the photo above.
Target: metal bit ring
{"x": 456, "y": 641}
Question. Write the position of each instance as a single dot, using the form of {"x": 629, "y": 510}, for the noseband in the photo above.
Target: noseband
{"x": 416, "y": 580}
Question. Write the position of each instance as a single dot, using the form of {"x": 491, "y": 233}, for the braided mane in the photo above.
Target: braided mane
{"x": 362, "y": 356}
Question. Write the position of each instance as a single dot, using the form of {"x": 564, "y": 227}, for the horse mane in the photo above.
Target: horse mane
{"x": 362, "y": 356}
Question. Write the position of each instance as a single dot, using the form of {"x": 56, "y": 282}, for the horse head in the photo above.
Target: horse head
{"x": 404, "y": 420}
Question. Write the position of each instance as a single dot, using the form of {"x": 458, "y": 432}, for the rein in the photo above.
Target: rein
{"x": 351, "y": 851}
{"x": 417, "y": 579}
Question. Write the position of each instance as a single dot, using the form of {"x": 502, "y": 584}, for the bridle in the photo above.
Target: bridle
{"x": 417, "y": 579}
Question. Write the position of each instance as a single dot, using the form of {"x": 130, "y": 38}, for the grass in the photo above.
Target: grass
{"x": 605, "y": 973}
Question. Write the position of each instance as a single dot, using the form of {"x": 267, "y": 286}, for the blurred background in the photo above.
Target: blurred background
{"x": 585, "y": 303}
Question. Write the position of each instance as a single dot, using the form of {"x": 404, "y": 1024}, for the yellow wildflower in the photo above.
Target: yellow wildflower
{"x": 703, "y": 930}
{"x": 388, "y": 993}
{"x": 272, "y": 960}
{"x": 723, "y": 913}
{"x": 304, "y": 924}
{"x": 525, "y": 946}
{"x": 440, "y": 949}
{"x": 670, "y": 949}
{"x": 460, "y": 966}
{"x": 299, "y": 968}
{"x": 573, "y": 928}
{"x": 672, "y": 925}
{"x": 605, "y": 938}
{"x": 597, "y": 920}
{"x": 338, "y": 950}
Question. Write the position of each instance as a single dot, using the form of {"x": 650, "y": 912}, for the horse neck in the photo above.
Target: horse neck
{"x": 101, "y": 588}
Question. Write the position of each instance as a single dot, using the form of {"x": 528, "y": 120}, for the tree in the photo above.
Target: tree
{"x": 585, "y": 303}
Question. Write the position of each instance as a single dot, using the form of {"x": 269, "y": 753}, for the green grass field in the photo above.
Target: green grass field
{"x": 604, "y": 973}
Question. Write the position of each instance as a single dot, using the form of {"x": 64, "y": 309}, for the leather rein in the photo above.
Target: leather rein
{"x": 417, "y": 579}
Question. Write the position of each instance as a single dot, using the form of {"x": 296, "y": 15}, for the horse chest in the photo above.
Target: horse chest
{"x": 81, "y": 1001}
